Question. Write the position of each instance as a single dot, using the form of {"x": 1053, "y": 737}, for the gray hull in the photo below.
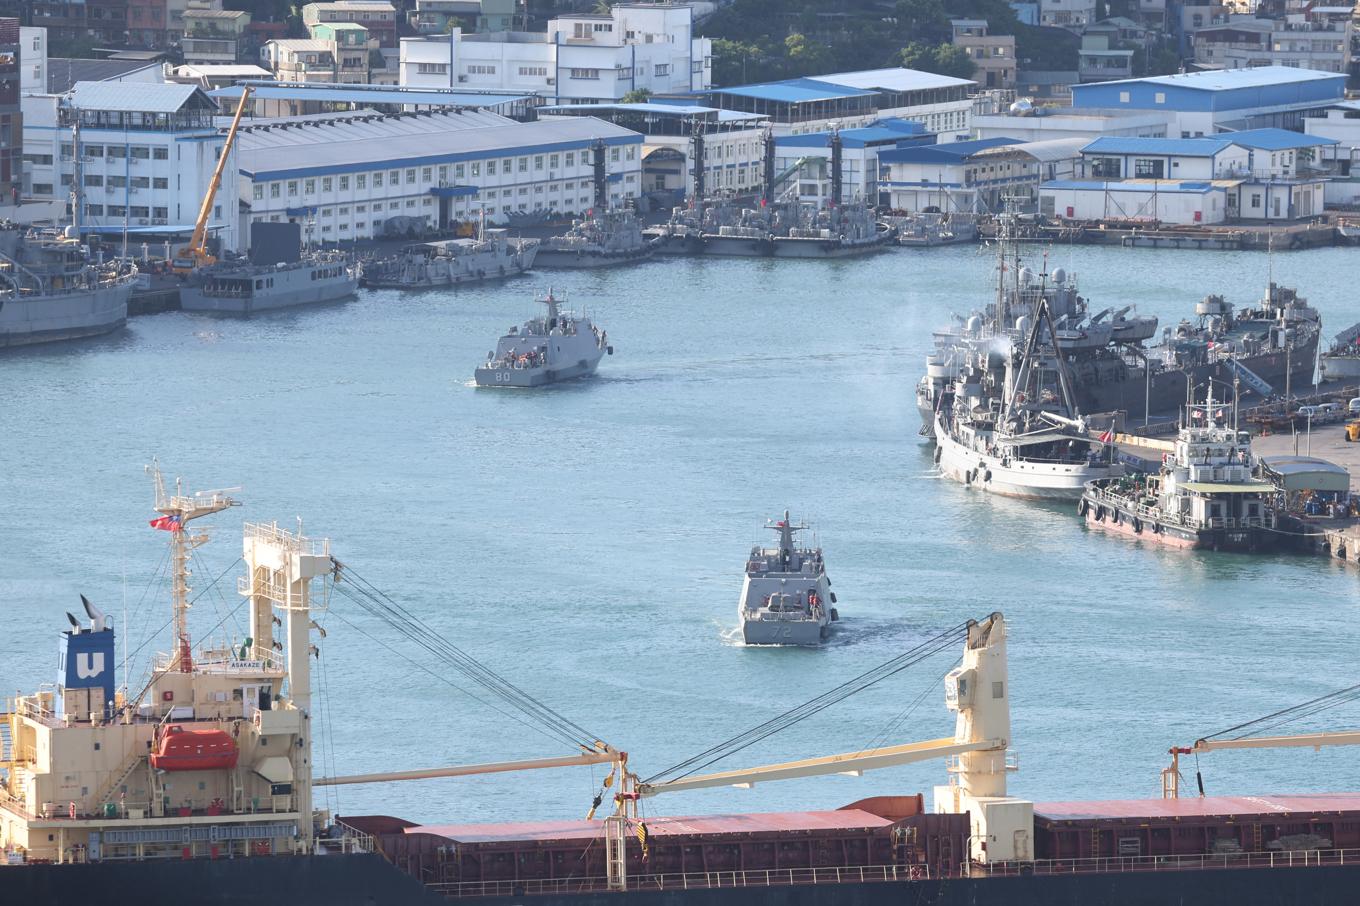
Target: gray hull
{"x": 535, "y": 377}
{"x": 52, "y": 318}
{"x": 783, "y": 247}
{"x": 193, "y": 298}
{"x": 784, "y": 632}
{"x": 578, "y": 258}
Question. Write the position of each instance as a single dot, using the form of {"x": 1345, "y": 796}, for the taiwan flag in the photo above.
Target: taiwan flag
{"x": 167, "y": 523}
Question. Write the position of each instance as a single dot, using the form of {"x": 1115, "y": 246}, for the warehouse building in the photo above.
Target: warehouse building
{"x": 805, "y": 160}
{"x": 343, "y": 177}
{"x": 1203, "y": 103}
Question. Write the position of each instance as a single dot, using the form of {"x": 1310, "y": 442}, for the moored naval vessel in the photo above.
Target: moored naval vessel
{"x": 200, "y": 785}
{"x": 779, "y": 229}
{"x": 241, "y": 287}
{"x": 1204, "y": 496}
{"x": 786, "y": 596}
{"x": 452, "y": 262}
{"x": 1341, "y": 362}
{"x": 1112, "y": 365}
{"x": 53, "y": 288}
{"x": 604, "y": 239}
{"x": 1007, "y": 423}
{"x": 556, "y": 347}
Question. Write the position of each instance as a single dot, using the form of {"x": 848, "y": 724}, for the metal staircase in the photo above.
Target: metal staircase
{"x": 111, "y": 788}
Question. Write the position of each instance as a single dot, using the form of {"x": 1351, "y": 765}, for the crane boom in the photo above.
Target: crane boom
{"x": 467, "y": 770}
{"x": 845, "y": 763}
{"x": 195, "y": 254}
{"x": 1171, "y": 775}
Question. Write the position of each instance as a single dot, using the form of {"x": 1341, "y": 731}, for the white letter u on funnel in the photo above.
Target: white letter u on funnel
{"x": 89, "y": 665}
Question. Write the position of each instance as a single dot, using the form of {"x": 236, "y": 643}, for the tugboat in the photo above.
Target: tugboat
{"x": 604, "y": 240}
{"x": 52, "y": 288}
{"x": 547, "y": 350}
{"x": 1005, "y": 427}
{"x": 452, "y": 262}
{"x": 786, "y": 598}
{"x": 1203, "y": 497}
{"x": 239, "y": 287}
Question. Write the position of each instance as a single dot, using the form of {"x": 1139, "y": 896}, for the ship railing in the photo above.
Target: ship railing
{"x": 1193, "y": 862}
{"x": 707, "y": 880}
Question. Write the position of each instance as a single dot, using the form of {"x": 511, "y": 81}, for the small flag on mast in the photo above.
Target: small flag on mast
{"x": 167, "y": 523}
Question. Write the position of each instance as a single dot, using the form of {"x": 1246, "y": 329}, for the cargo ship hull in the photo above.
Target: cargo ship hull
{"x": 369, "y": 880}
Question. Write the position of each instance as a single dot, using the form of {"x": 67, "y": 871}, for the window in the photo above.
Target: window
{"x": 274, "y": 190}
{"x": 159, "y": 153}
{"x": 552, "y": 161}
{"x": 67, "y": 150}
{"x": 425, "y": 174}
{"x": 141, "y": 182}
{"x": 623, "y": 72}
{"x": 1123, "y": 97}
{"x": 160, "y": 182}
{"x": 92, "y": 179}
{"x": 432, "y": 68}
{"x": 160, "y": 213}
{"x": 538, "y": 162}
{"x": 571, "y": 159}
{"x": 1256, "y": 199}
{"x": 90, "y": 151}
{"x": 632, "y": 152}
{"x": 477, "y": 169}
{"x": 1159, "y": 97}
{"x": 533, "y": 70}
{"x": 361, "y": 181}
{"x": 117, "y": 151}
{"x": 344, "y": 184}
{"x": 140, "y": 152}
{"x": 377, "y": 180}
{"x": 491, "y": 168}
{"x": 292, "y": 188}
{"x": 1148, "y": 168}
{"x": 309, "y": 187}
{"x": 457, "y": 171}
{"x": 410, "y": 176}
{"x": 614, "y": 155}
{"x": 117, "y": 210}
{"x": 524, "y": 165}
{"x": 394, "y": 178}
{"x": 326, "y": 184}
{"x": 478, "y": 69}
{"x": 94, "y": 210}
{"x": 139, "y": 211}
{"x": 663, "y": 69}
{"x": 585, "y": 73}
{"x": 1106, "y": 167}
{"x": 444, "y": 174}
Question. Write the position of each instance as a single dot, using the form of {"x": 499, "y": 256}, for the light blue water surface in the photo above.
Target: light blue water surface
{"x": 588, "y": 541}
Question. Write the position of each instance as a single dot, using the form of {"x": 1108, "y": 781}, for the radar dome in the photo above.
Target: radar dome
{"x": 1022, "y": 325}
{"x": 1022, "y": 107}
{"x": 974, "y": 325}
{"x": 1059, "y": 275}
{"x": 1024, "y": 276}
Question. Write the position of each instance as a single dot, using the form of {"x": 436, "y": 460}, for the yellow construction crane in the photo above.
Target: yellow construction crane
{"x": 195, "y": 255}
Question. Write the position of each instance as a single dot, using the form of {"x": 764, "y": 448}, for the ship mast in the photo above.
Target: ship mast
{"x": 177, "y": 511}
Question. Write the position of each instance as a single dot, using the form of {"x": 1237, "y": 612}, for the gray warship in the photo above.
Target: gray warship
{"x": 608, "y": 239}
{"x": 556, "y": 347}
{"x": 240, "y": 287}
{"x": 53, "y": 288}
{"x": 452, "y": 262}
{"x": 780, "y": 229}
{"x": 786, "y": 598}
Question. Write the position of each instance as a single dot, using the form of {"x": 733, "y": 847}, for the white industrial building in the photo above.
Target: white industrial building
{"x": 1034, "y": 124}
{"x": 973, "y": 177}
{"x": 343, "y": 176}
{"x": 146, "y": 156}
{"x": 676, "y": 135}
{"x": 593, "y": 58}
{"x": 1258, "y": 174}
{"x": 805, "y": 160}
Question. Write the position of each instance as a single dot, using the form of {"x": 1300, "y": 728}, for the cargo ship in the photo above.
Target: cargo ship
{"x": 198, "y": 787}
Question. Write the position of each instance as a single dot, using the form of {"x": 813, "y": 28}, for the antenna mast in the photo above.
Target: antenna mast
{"x": 176, "y": 511}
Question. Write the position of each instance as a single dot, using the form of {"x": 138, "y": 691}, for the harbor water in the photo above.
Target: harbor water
{"x": 587, "y": 541}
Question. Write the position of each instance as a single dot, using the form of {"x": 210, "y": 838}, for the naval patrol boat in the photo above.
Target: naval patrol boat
{"x": 452, "y": 262}
{"x": 556, "y": 347}
{"x": 52, "y": 288}
{"x": 607, "y": 239}
{"x": 786, "y": 598}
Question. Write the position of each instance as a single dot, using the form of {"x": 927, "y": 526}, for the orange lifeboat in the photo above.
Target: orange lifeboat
{"x": 182, "y": 749}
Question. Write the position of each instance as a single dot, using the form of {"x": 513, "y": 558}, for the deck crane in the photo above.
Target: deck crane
{"x": 1171, "y": 776}
{"x": 195, "y": 255}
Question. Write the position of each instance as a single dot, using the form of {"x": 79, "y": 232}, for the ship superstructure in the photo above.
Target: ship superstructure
{"x": 210, "y": 758}
{"x": 238, "y": 287}
{"x": 452, "y": 262}
{"x": 604, "y": 239}
{"x": 786, "y": 596}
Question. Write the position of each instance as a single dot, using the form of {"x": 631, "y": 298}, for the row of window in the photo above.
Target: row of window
{"x": 462, "y": 211}
{"x": 426, "y": 176}
{"x": 94, "y": 181}
{"x": 524, "y": 191}
{"x": 118, "y": 210}
{"x": 136, "y": 152}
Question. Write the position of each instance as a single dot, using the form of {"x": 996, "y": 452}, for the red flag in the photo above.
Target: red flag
{"x": 167, "y": 523}
{"x": 1106, "y": 437}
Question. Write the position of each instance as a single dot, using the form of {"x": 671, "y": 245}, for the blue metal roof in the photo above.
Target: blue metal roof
{"x": 1228, "y": 79}
{"x": 1162, "y": 186}
{"x": 886, "y": 130}
{"x": 648, "y": 107}
{"x": 795, "y": 91}
{"x": 1275, "y": 139}
{"x": 356, "y": 95}
{"x": 948, "y": 153}
{"x": 1167, "y": 147}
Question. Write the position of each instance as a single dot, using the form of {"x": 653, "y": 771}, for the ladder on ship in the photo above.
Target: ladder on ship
{"x": 111, "y": 789}
{"x": 8, "y": 758}
{"x": 616, "y": 851}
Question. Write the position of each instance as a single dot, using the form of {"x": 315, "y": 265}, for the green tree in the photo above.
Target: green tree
{"x": 806, "y": 57}
{"x": 944, "y": 59}
{"x": 921, "y": 17}
{"x": 638, "y": 96}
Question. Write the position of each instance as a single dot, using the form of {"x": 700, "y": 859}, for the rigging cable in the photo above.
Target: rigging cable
{"x": 1291, "y": 714}
{"x": 869, "y": 678}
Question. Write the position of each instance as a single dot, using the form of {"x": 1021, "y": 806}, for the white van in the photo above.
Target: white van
{"x": 1353, "y": 407}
